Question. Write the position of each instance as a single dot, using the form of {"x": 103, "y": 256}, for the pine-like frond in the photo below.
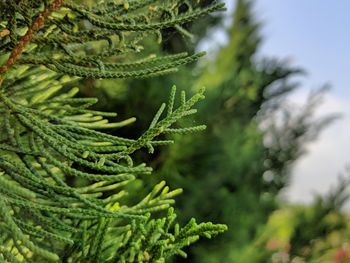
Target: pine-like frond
{"x": 62, "y": 181}
{"x": 93, "y": 42}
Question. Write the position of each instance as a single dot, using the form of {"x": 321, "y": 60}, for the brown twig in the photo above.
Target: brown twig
{"x": 25, "y": 40}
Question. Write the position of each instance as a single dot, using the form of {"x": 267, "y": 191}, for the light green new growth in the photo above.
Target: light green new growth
{"x": 63, "y": 183}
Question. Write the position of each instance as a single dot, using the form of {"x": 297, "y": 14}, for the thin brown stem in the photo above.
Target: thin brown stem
{"x": 26, "y": 39}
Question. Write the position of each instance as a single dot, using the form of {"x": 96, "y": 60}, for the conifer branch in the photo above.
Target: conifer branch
{"x": 49, "y": 138}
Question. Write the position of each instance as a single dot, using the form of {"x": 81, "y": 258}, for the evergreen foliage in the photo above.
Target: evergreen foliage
{"x": 63, "y": 183}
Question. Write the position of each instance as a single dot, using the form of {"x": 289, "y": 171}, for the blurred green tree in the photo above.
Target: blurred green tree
{"x": 243, "y": 159}
{"x": 233, "y": 171}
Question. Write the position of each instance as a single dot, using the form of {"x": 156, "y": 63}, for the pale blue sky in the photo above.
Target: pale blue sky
{"x": 314, "y": 35}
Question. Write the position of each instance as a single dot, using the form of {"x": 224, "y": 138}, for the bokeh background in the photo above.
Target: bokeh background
{"x": 272, "y": 163}
{"x": 313, "y": 34}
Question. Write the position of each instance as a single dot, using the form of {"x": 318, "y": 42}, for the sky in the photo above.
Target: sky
{"x": 314, "y": 35}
